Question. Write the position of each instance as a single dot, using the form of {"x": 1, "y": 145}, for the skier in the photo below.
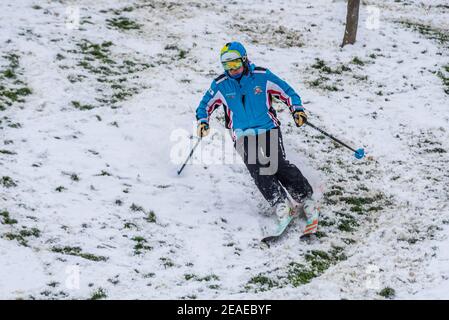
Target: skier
{"x": 245, "y": 91}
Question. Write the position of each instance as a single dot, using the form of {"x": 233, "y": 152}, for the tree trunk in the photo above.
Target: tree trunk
{"x": 352, "y": 21}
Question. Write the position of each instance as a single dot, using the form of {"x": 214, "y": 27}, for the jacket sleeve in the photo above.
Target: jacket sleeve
{"x": 212, "y": 99}
{"x": 283, "y": 91}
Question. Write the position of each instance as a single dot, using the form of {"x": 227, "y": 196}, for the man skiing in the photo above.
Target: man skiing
{"x": 246, "y": 92}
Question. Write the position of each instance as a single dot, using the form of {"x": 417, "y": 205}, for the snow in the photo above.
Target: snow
{"x": 205, "y": 241}
{"x": 21, "y": 271}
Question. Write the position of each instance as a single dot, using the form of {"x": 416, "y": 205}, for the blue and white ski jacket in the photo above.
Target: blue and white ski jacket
{"x": 248, "y": 103}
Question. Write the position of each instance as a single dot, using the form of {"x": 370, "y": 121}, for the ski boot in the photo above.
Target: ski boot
{"x": 284, "y": 212}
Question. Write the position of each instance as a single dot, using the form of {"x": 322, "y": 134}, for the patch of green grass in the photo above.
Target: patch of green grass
{"x": 316, "y": 82}
{"x": 15, "y": 125}
{"x": 360, "y": 201}
{"x": 189, "y": 297}
{"x": 320, "y": 82}
{"x": 149, "y": 275}
{"x": 98, "y": 59}
{"x": 121, "y": 94}
{"x": 136, "y": 208}
{"x": 357, "y": 61}
{"x": 13, "y": 59}
{"x": 331, "y": 88}
{"x": 214, "y": 286}
{"x": 326, "y": 222}
{"x": 439, "y": 35}
{"x": 167, "y": 262}
{"x": 22, "y": 235}
{"x": 210, "y": 277}
{"x": 333, "y": 193}
{"x": 130, "y": 225}
{"x": 189, "y": 276}
{"x": 76, "y": 78}
{"x": 104, "y": 173}
{"x": 53, "y": 284}
{"x": 140, "y": 245}
{"x": 163, "y": 186}
{"x": 60, "y": 188}
{"x": 9, "y": 73}
{"x": 263, "y": 283}
{"x": 6, "y": 219}
{"x": 379, "y": 93}
{"x": 445, "y": 80}
{"x": 123, "y": 23}
{"x": 375, "y": 208}
{"x": 30, "y": 232}
{"x": 11, "y": 88}
{"x": 77, "y": 251}
{"x": 8, "y": 182}
{"x": 318, "y": 260}
{"x": 14, "y": 94}
{"x": 357, "y": 209}
{"x": 348, "y": 241}
{"x": 360, "y": 78}
{"x": 8, "y": 152}
{"x": 347, "y": 224}
{"x": 80, "y": 106}
{"x": 317, "y": 263}
{"x": 151, "y": 217}
{"x": 321, "y": 65}
{"x": 387, "y": 292}
{"x": 320, "y": 234}
{"x": 99, "y": 294}
{"x": 435, "y": 150}
{"x": 98, "y": 51}
{"x": 298, "y": 274}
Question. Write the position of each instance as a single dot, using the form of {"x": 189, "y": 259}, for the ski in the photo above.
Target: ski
{"x": 283, "y": 225}
{"x": 279, "y": 230}
{"x": 310, "y": 228}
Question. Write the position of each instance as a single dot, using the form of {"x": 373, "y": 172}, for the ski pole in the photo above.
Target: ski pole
{"x": 190, "y": 155}
{"x": 359, "y": 153}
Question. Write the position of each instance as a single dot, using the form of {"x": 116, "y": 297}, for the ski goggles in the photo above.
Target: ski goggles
{"x": 232, "y": 64}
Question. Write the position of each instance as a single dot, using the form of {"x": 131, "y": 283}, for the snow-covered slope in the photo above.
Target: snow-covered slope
{"x": 92, "y": 207}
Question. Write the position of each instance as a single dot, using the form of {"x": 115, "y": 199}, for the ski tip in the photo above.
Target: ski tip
{"x": 310, "y": 237}
{"x": 359, "y": 153}
{"x": 267, "y": 240}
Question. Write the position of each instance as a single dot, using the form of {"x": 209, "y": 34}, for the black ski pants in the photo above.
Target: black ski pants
{"x": 264, "y": 156}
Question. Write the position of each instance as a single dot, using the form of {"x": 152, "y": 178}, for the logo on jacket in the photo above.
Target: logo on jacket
{"x": 230, "y": 95}
{"x": 257, "y": 90}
